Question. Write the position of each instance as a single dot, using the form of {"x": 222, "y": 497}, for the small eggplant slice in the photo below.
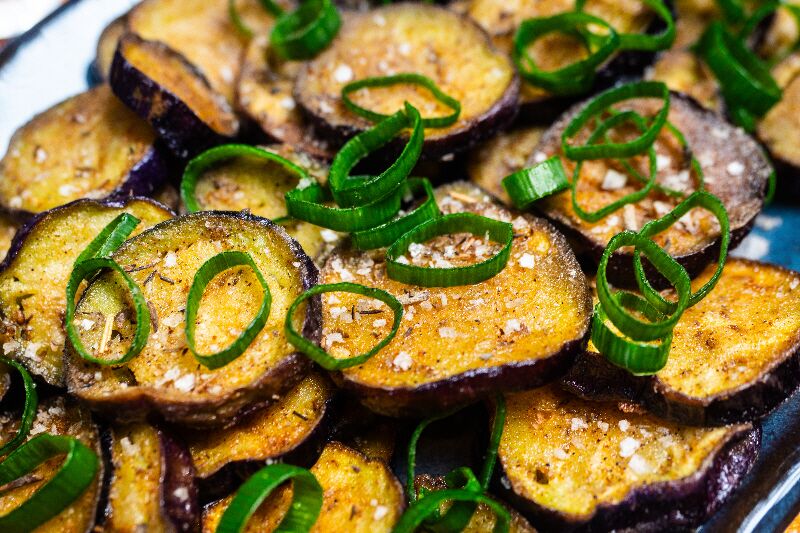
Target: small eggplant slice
{"x": 33, "y": 278}
{"x": 106, "y": 46}
{"x": 88, "y": 146}
{"x": 361, "y": 495}
{"x": 260, "y": 187}
{"x": 430, "y": 40}
{"x": 735, "y": 356}
{"x": 202, "y": 31}
{"x": 8, "y": 228}
{"x": 264, "y": 94}
{"x": 571, "y": 464}
{"x": 736, "y": 171}
{"x": 56, "y": 416}
{"x": 483, "y": 519}
{"x": 517, "y": 330}
{"x": 270, "y": 433}
{"x": 162, "y": 87}
{"x": 165, "y": 377}
{"x": 503, "y": 155}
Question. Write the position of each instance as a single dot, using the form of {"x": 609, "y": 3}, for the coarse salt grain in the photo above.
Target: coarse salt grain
{"x": 578, "y": 423}
{"x": 379, "y": 323}
{"x": 170, "y": 260}
{"x": 448, "y": 333}
{"x": 735, "y": 168}
{"x": 527, "y": 261}
{"x": 343, "y": 74}
{"x": 380, "y": 512}
{"x": 628, "y": 446}
{"x": 560, "y": 454}
{"x": 639, "y": 465}
{"x": 288, "y": 103}
{"x": 185, "y": 383}
{"x": 603, "y": 426}
{"x": 663, "y": 161}
{"x": 613, "y": 180}
{"x": 512, "y": 325}
{"x": 402, "y": 361}
{"x": 182, "y": 493}
{"x": 624, "y": 425}
{"x": 87, "y": 324}
{"x": 329, "y": 235}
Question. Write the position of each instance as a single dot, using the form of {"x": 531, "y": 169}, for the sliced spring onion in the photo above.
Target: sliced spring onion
{"x": 306, "y": 31}
{"x": 574, "y": 78}
{"x": 772, "y": 183}
{"x": 411, "y": 462}
{"x": 701, "y": 199}
{"x": 527, "y": 186}
{"x": 396, "y": 79}
{"x": 625, "y": 322}
{"x": 309, "y": 204}
{"x": 29, "y": 409}
{"x": 271, "y": 7}
{"x": 201, "y": 163}
{"x": 494, "y": 440}
{"x": 70, "y": 481}
{"x": 211, "y": 268}
{"x": 388, "y": 232}
{"x": 358, "y": 191}
{"x": 110, "y": 237}
{"x": 639, "y": 358}
{"x": 501, "y": 232}
{"x": 601, "y": 103}
{"x": 424, "y": 508}
{"x": 320, "y": 356}
{"x": 652, "y": 43}
{"x": 303, "y": 511}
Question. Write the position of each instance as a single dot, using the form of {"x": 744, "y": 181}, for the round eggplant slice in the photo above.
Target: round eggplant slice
{"x": 361, "y": 495}
{"x": 735, "y": 167}
{"x": 264, "y": 94}
{"x": 735, "y": 356}
{"x": 88, "y": 146}
{"x": 162, "y": 87}
{"x": 517, "y": 330}
{"x": 500, "y": 19}
{"x": 8, "y": 228}
{"x": 281, "y": 428}
{"x": 451, "y": 50}
{"x": 165, "y": 377}
{"x": 483, "y": 519}
{"x": 56, "y": 416}
{"x": 202, "y": 31}
{"x": 571, "y": 464}
{"x": 33, "y": 279}
{"x": 152, "y": 486}
{"x": 503, "y": 155}
{"x": 106, "y": 46}
{"x": 779, "y": 129}
{"x": 260, "y": 187}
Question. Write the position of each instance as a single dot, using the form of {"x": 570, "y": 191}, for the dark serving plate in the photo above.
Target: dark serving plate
{"x": 50, "y": 62}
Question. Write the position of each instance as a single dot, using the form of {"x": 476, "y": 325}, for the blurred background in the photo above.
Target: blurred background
{"x": 17, "y": 16}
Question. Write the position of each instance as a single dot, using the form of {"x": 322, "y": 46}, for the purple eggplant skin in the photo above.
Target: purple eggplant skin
{"x": 679, "y": 505}
{"x": 182, "y": 131}
{"x": 466, "y": 388}
{"x": 592, "y": 377}
{"x": 178, "y": 473}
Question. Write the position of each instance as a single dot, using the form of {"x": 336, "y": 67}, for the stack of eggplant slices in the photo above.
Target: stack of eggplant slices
{"x": 276, "y": 242}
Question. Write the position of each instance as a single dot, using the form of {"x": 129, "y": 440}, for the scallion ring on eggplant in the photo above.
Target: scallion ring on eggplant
{"x": 306, "y": 31}
{"x": 528, "y": 185}
{"x": 28, "y": 410}
{"x": 219, "y": 263}
{"x": 320, "y": 356}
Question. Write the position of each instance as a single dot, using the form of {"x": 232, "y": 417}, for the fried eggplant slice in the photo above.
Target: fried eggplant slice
{"x": 683, "y": 71}
{"x": 152, "y": 486}
{"x": 165, "y": 377}
{"x": 106, "y": 46}
{"x": 779, "y": 129}
{"x": 33, "y": 279}
{"x": 735, "y": 356}
{"x": 88, "y": 146}
{"x": 56, "y": 416}
{"x": 278, "y": 430}
{"x": 361, "y": 495}
{"x": 500, "y": 19}
{"x": 503, "y": 155}
{"x": 8, "y": 228}
{"x": 166, "y": 90}
{"x": 735, "y": 167}
{"x": 264, "y": 94}
{"x": 451, "y": 50}
{"x": 483, "y": 519}
{"x": 260, "y": 187}
{"x": 202, "y": 31}
{"x": 572, "y": 464}
{"x": 517, "y": 330}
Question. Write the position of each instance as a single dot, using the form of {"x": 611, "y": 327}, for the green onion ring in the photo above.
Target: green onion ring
{"x": 70, "y": 481}
{"x": 303, "y": 512}
{"x": 355, "y": 192}
{"x": 428, "y": 506}
{"x": 652, "y": 43}
{"x": 458, "y": 515}
{"x": 525, "y": 187}
{"x": 271, "y": 7}
{"x": 201, "y": 163}
{"x": 306, "y": 31}
{"x": 411, "y": 462}
{"x": 110, "y": 237}
{"x": 404, "y": 78}
{"x": 637, "y": 358}
{"x": 28, "y": 411}
{"x": 320, "y": 356}
{"x": 85, "y": 270}
{"x": 574, "y": 78}
{"x": 702, "y": 199}
{"x": 498, "y": 231}
{"x": 498, "y": 423}
{"x": 601, "y": 103}
{"x": 308, "y": 205}
{"x": 388, "y": 232}
{"x": 210, "y": 269}
{"x": 732, "y": 10}
{"x": 772, "y": 184}
{"x": 628, "y": 324}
